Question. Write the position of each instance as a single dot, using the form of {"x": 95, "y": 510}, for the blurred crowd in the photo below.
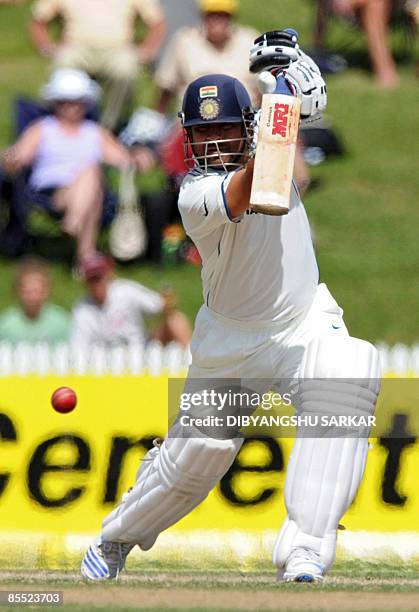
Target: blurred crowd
{"x": 86, "y": 120}
{"x": 112, "y": 312}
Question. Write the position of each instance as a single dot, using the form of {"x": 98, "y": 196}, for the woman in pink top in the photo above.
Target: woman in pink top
{"x": 66, "y": 151}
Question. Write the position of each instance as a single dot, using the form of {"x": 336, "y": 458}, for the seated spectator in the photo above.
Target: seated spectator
{"x": 100, "y": 39}
{"x": 113, "y": 311}
{"x": 216, "y": 45}
{"x": 374, "y": 17}
{"x": 34, "y": 319}
{"x": 66, "y": 151}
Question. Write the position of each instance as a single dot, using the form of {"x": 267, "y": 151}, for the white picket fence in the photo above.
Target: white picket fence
{"x": 42, "y": 359}
{"x": 153, "y": 359}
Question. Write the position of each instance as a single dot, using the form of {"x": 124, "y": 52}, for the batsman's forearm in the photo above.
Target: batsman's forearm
{"x": 239, "y": 189}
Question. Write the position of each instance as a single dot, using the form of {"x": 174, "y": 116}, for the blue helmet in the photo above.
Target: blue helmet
{"x": 215, "y": 98}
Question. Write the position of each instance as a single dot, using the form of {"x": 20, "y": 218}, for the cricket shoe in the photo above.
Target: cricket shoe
{"x": 104, "y": 560}
{"x": 303, "y": 565}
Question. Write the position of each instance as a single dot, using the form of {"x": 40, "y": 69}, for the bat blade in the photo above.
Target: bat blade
{"x": 275, "y": 154}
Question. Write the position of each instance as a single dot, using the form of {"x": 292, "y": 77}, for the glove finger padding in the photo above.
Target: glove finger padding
{"x": 310, "y": 62}
{"x": 271, "y": 58}
{"x": 310, "y": 87}
{"x": 273, "y": 50}
{"x": 286, "y": 37}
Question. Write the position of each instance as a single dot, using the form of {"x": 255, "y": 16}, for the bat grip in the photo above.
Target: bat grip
{"x": 282, "y": 86}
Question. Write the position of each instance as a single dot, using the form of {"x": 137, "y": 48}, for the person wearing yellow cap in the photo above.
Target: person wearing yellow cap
{"x": 219, "y": 6}
{"x": 217, "y": 45}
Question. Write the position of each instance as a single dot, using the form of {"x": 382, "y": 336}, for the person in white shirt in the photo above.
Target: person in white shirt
{"x": 98, "y": 36}
{"x": 113, "y": 311}
{"x": 217, "y": 43}
{"x": 265, "y": 320}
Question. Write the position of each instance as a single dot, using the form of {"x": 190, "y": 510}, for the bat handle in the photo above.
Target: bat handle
{"x": 282, "y": 86}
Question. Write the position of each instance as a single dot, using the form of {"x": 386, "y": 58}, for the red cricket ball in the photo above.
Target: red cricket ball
{"x": 64, "y": 400}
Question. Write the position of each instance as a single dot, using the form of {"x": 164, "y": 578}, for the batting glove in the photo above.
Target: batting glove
{"x": 274, "y": 51}
{"x": 304, "y": 75}
{"x": 278, "y": 52}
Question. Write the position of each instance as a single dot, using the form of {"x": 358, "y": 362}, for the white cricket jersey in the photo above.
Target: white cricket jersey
{"x": 119, "y": 320}
{"x": 257, "y": 267}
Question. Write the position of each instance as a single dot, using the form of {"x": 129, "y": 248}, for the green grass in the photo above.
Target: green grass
{"x": 117, "y": 608}
{"x": 365, "y": 211}
{"x": 373, "y": 585}
{"x": 382, "y": 574}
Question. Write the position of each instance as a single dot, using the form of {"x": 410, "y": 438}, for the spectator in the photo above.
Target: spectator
{"x": 217, "y": 44}
{"x": 374, "y": 17}
{"x": 113, "y": 311}
{"x": 34, "y": 319}
{"x": 66, "y": 151}
{"x": 99, "y": 37}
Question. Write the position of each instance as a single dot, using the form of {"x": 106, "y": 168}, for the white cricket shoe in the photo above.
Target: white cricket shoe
{"x": 104, "y": 560}
{"x": 303, "y": 565}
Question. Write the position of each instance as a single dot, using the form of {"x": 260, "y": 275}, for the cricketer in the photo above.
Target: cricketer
{"x": 265, "y": 316}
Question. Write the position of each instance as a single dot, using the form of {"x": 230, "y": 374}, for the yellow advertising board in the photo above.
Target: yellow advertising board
{"x": 63, "y": 473}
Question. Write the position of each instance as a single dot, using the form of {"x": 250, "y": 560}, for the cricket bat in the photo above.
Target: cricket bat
{"x": 275, "y": 151}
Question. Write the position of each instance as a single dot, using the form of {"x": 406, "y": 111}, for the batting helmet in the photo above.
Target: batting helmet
{"x": 214, "y": 99}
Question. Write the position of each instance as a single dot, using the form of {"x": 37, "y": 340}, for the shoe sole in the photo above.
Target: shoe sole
{"x": 303, "y": 578}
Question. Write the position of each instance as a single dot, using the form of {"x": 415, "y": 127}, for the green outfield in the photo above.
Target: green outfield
{"x": 364, "y": 209}
{"x": 350, "y": 587}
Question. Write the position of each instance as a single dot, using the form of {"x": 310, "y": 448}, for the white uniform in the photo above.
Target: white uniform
{"x": 260, "y": 284}
{"x": 257, "y": 268}
{"x": 265, "y": 317}
{"x": 119, "y": 319}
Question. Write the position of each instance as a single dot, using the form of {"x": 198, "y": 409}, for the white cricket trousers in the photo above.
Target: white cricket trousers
{"x": 323, "y": 474}
{"x": 225, "y": 348}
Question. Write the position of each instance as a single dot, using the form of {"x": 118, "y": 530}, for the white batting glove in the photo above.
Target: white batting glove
{"x": 278, "y": 52}
{"x": 304, "y": 75}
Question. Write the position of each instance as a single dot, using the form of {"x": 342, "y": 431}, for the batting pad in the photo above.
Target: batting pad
{"x": 324, "y": 473}
{"x": 171, "y": 481}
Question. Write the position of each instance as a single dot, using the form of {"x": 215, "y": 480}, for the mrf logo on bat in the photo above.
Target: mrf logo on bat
{"x": 278, "y": 118}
